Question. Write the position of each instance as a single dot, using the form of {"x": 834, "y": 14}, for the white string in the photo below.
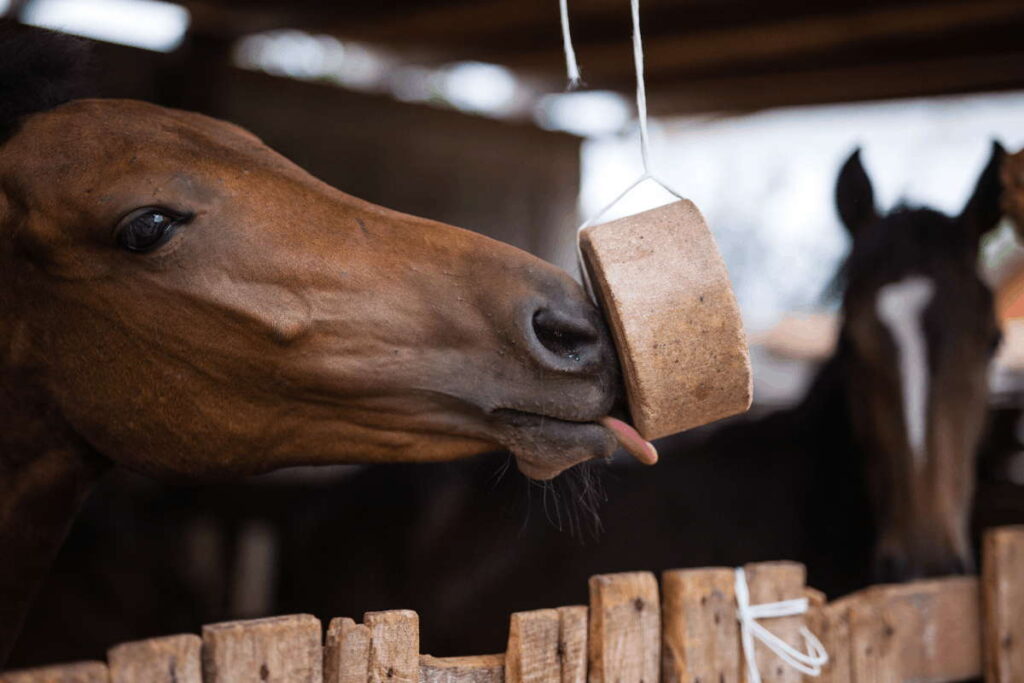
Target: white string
{"x": 572, "y": 68}
{"x": 809, "y": 662}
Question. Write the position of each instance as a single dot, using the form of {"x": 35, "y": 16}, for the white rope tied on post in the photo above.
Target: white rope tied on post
{"x": 809, "y": 662}
{"x": 573, "y": 72}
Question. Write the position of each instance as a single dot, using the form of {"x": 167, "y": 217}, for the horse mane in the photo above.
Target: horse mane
{"x": 39, "y": 70}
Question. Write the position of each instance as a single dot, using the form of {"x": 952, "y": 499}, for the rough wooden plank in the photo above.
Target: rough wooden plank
{"x": 919, "y": 631}
{"x": 172, "y": 659}
{"x": 77, "y": 672}
{"x": 700, "y": 633}
{"x": 772, "y": 582}
{"x": 282, "y": 649}
{"x": 572, "y": 643}
{"x": 624, "y": 639}
{"x": 394, "y": 646}
{"x": 666, "y": 294}
{"x": 1003, "y": 590}
{"x": 867, "y": 641}
{"x": 830, "y": 622}
{"x": 347, "y": 652}
{"x": 479, "y": 669}
{"x": 533, "y": 647}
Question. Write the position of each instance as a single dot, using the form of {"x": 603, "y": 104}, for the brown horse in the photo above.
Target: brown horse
{"x": 177, "y": 298}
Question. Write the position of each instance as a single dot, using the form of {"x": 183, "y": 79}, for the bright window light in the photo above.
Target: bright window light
{"x": 149, "y": 24}
{"x": 589, "y": 114}
{"x": 4, "y": 4}
{"x": 479, "y": 87}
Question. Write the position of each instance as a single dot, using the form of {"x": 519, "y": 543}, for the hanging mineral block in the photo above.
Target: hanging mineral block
{"x": 665, "y": 292}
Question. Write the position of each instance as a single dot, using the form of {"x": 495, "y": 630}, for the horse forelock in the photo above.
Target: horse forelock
{"x": 39, "y": 70}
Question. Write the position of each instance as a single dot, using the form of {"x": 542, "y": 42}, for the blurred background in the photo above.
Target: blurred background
{"x": 457, "y": 110}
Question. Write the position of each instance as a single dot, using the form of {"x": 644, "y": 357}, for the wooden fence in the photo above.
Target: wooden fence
{"x": 946, "y": 629}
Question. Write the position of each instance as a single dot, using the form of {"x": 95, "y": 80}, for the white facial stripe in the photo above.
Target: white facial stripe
{"x": 899, "y": 305}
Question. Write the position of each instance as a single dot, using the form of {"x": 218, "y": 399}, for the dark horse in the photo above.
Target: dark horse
{"x": 869, "y": 478}
{"x": 177, "y": 298}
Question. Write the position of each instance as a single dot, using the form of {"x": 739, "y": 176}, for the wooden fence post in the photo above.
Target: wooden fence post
{"x": 533, "y": 652}
{"x": 772, "y": 582}
{"x": 1003, "y": 591}
{"x": 830, "y": 622}
{"x": 77, "y": 672}
{"x": 479, "y": 669}
{"x": 394, "y": 646}
{"x": 572, "y": 643}
{"x": 278, "y": 649}
{"x": 172, "y": 659}
{"x": 924, "y": 630}
{"x": 701, "y": 634}
{"x": 624, "y": 639}
{"x": 347, "y": 652}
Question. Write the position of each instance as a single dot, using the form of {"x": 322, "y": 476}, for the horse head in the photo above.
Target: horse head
{"x": 196, "y": 305}
{"x": 918, "y": 333}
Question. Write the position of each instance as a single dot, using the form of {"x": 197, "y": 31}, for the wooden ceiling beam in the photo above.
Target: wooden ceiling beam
{"x": 847, "y": 84}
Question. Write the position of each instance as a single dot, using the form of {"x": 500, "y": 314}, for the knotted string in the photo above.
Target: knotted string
{"x": 573, "y": 71}
{"x": 809, "y": 662}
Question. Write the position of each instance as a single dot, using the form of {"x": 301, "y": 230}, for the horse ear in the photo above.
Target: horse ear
{"x": 855, "y": 198}
{"x": 984, "y": 208}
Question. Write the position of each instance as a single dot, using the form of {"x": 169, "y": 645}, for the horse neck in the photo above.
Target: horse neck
{"x": 46, "y": 471}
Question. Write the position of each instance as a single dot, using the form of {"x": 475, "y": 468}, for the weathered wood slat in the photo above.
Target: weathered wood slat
{"x": 347, "y": 652}
{"x": 282, "y": 649}
{"x": 830, "y": 622}
{"x": 624, "y": 639}
{"x": 920, "y": 631}
{"x": 1003, "y": 591}
{"x": 77, "y": 672}
{"x": 394, "y": 646}
{"x": 533, "y": 647}
{"x": 772, "y": 582}
{"x": 701, "y": 634}
{"x": 172, "y": 659}
{"x": 572, "y": 643}
{"x": 479, "y": 669}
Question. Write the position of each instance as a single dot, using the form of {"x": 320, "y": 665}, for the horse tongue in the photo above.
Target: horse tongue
{"x": 630, "y": 439}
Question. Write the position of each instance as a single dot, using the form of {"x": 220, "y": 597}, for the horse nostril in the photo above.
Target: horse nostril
{"x": 565, "y": 338}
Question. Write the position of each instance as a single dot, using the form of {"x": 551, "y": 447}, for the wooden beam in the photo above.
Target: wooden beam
{"x": 1003, "y": 591}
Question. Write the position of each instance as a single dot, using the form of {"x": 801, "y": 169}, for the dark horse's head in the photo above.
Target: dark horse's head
{"x": 195, "y": 304}
{"x": 919, "y": 330}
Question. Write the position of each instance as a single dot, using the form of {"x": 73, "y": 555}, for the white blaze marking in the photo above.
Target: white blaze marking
{"x": 899, "y": 305}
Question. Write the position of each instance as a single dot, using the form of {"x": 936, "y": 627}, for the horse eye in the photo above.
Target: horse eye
{"x": 145, "y": 230}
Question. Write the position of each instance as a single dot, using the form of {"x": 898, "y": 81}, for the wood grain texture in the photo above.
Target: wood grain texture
{"x": 478, "y": 669}
{"x": 282, "y": 649}
{"x": 533, "y": 647}
{"x": 394, "y": 646}
{"x": 772, "y": 582}
{"x": 666, "y": 294}
{"x": 624, "y": 638}
{"x": 700, "y": 634}
{"x": 76, "y": 672}
{"x": 830, "y": 622}
{"x": 572, "y": 643}
{"x": 346, "y": 652}
{"x": 919, "y": 631}
{"x": 1003, "y": 591}
{"x": 172, "y": 659}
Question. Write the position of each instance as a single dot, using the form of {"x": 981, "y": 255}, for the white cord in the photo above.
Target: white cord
{"x": 809, "y": 662}
{"x": 572, "y": 69}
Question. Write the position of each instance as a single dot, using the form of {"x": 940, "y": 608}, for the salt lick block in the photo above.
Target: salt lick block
{"x": 664, "y": 289}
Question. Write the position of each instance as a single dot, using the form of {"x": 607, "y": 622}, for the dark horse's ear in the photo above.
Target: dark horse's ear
{"x": 39, "y": 70}
{"x": 984, "y": 209}
{"x": 855, "y": 198}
